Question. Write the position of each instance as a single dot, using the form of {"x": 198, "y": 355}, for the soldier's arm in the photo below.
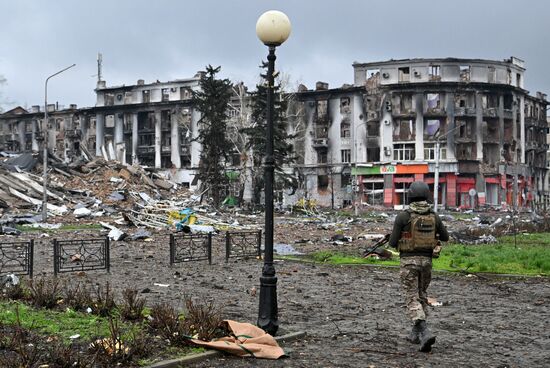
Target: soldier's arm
{"x": 441, "y": 230}
{"x": 398, "y": 225}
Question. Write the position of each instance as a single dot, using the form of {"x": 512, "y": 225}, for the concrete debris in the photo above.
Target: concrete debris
{"x": 463, "y": 238}
{"x": 9, "y": 280}
{"x": 140, "y": 234}
{"x": 82, "y": 212}
{"x": 7, "y": 230}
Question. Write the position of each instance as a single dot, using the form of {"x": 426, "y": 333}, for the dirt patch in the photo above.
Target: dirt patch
{"x": 354, "y": 315}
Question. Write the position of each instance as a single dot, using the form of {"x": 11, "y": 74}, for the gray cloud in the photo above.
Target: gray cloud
{"x": 172, "y": 39}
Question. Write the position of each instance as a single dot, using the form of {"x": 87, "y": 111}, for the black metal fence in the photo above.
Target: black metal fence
{"x": 17, "y": 258}
{"x": 190, "y": 247}
{"x": 243, "y": 244}
{"x": 81, "y": 255}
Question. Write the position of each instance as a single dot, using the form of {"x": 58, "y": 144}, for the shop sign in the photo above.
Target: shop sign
{"x": 388, "y": 169}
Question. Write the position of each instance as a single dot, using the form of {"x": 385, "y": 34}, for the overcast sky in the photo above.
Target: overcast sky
{"x": 171, "y": 39}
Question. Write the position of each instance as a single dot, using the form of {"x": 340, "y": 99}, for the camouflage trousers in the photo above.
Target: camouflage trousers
{"x": 416, "y": 273}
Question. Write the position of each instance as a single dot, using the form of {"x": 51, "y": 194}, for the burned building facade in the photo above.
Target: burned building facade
{"x": 369, "y": 141}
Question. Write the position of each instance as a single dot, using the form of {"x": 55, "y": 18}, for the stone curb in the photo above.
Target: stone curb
{"x": 195, "y": 358}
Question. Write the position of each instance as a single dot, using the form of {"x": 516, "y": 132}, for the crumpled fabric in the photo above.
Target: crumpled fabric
{"x": 245, "y": 340}
{"x": 420, "y": 207}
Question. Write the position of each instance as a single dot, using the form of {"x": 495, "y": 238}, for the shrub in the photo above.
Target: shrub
{"x": 104, "y": 302}
{"x": 132, "y": 305}
{"x": 44, "y": 292}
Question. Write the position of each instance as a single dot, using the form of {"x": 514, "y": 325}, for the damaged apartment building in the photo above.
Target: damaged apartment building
{"x": 366, "y": 142}
{"x": 149, "y": 124}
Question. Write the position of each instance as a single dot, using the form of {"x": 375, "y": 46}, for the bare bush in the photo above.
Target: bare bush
{"x": 132, "y": 305}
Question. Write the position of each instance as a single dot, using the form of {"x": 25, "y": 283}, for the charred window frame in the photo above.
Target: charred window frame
{"x": 404, "y": 74}
{"x": 464, "y": 73}
{"x": 322, "y": 182}
{"x": 345, "y": 131}
{"x": 165, "y": 94}
{"x": 146, "y": 96}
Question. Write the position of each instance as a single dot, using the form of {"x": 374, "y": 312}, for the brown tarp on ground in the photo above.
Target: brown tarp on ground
{"x": 245, "y": 340}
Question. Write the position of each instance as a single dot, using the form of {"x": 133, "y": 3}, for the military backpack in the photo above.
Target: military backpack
{"x": 422, "y": 234}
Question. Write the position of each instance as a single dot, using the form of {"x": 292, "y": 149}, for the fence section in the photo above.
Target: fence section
{"x": 81, "y": 255}
{"x": 17, "y": 258}
{"x": 243, "y": 244}
{"x": 190, "y": 247}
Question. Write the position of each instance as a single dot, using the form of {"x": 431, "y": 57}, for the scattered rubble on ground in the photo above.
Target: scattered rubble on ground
{"x": 132, "y": 202}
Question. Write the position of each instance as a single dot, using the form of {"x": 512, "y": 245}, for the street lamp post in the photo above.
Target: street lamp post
{"x": 45, "y": 155}
{"x": 273, "y": 28}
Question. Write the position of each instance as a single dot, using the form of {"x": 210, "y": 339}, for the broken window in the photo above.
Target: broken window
{"x": 165, "y": 117}
{"x": 518, "y": 80}
{"x": 127, "y": 97}
{"x": 405, "y": 103}
{"x": 322, "y": 110}
{"x": 466, "y": 151}
{"x": 344, "y": 105}
{"x": 464, "y": 100}
{"x": 373, "y": 78}
{"x": 403, "y": 152}
{"x": 508, "y": 130}
{"x": 165, "y": 94}
{"x": 508, "y": 76}
{"x": 435, "y": 72}
{"x": 109, "y": 121}
{"x": 345, "y": 155}
{"x": 464, "y": 73}
{"x": 433, "y": 101}
{"x": 345, "y": 128}
{"x": 489, "y": 101}
{"x": 404, "y": 129}
{"x": 185, "y": 93}
{"x": 491, "y": 154}
{"x": 508, "y": 101}
{"x": 429, "y": 152}
{"x": 432, "y": 128}
{"x": 404, "y": 74}
{"x": 109, "y": 99}
{"x": 28, "y": 127}
{"x": 373, "y": 129}
{"x": 146, "y": 96}
{"x": 345, "y": 180}
{"x": 492, "y": 74}
{"x": 322, "y": 157}
{"x": 373, "y": 190}
{"x": 373, "y": 154}
{"x": 322, "y": 182}
{"x": 490, "y": 130}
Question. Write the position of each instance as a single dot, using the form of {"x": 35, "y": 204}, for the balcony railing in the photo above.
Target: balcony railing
{"x": 465, "y": 111}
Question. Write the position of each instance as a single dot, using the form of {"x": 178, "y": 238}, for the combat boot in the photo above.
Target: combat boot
{"x": 414, "y": 335}
{"x": 426, "y": 337}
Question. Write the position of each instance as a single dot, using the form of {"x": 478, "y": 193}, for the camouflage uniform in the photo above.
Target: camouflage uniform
{"x": 416, "y": 273}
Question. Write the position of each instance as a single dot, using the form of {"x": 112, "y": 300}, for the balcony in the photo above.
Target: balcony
{"x": 345, "y": 142}
{"x": 145, "y": 150}
{"x": 435, "y": 111}
{"x": 542, "y": 147}
{"x": 166, "y": 149}
{"x": 508, "y": 114}
{"x": 490, "y": 112}
{"x": 531, "y": 145}
{"x": 320, "y": 143}
{"x": 72, "y": 133}
{"x": 403, "y": 114}
{"x": 465, "y": 111}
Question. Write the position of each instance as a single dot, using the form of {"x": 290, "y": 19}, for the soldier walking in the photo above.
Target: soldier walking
{"x": 416, "y": 234}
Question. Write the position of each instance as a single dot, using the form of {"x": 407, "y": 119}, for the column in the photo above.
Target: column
{"x": 158, "y": 137}
{"x": 99, "y": 134}
{"x": 21, "y": 129}
{"x": 33, "y": 136}
{"x": 134, "y": 138}
{"x": 388, "y": 190}
{"x": 119, "y": 136}
{"x": 175, "y": 155}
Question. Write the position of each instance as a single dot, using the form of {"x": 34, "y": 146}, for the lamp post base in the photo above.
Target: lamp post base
{"x": 268, "y": 313}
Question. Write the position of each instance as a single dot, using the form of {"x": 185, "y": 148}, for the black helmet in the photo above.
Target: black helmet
{"x": 418, "y": 191}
